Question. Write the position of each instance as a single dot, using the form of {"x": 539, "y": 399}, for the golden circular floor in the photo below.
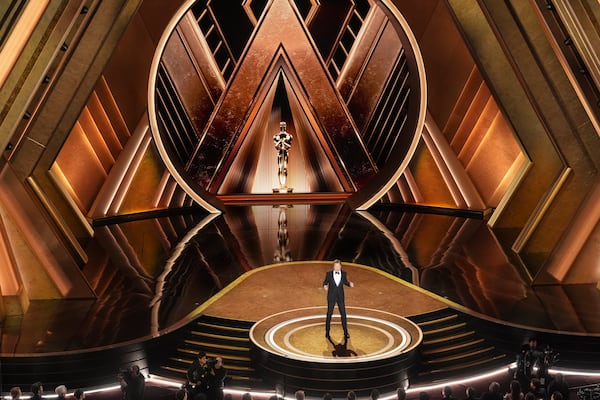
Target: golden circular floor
{"x": 300, "y": 334}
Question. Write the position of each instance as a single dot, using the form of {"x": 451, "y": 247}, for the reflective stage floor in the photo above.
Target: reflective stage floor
{"x": 151, "y": 274}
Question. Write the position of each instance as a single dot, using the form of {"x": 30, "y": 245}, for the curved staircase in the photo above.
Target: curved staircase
{"x": 452, "y": 346}
{"x": 217, "y": 337}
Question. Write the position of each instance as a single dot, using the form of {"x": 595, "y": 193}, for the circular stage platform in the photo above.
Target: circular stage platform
{"x": 291, "y": 348}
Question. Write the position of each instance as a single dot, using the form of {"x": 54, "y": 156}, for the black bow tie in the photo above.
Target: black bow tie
{"x": 337, "y": 273}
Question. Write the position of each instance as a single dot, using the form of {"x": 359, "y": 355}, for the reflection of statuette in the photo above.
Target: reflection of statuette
{"x": 282, "y": 253}
{"x": 283, "y": 142}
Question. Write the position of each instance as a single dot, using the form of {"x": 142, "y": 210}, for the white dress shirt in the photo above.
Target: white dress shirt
{"x": 337, "y": 277}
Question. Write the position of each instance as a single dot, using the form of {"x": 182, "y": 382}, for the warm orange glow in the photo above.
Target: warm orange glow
{"x": 20, "y": 35}
{"x": 9, "y": 281}
{"x": 226, "y": 152}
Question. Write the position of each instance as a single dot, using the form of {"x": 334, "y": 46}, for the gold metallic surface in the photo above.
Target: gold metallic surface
{"x": 210, "y": 206}
{"x": 516, "y": 135}
{"x": 280, "y": 42}
{"x": 553, "y": 128}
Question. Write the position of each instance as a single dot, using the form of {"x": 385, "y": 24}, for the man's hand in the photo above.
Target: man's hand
{"x": 326, "y": 287}
{"x": 351, "y": 284}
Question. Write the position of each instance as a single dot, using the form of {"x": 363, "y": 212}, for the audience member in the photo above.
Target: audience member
{"x": 529, "y": 358}
{"x": 133, "y": 383}
{"x": 215, "y": 379}
{"x": 280, "y": 391}
{"x": 79, "y": 394}
{"x": 535, "y": 387}
{"x": 447, "y": 393}
{"x": 493, "y": 392}
{"x": 61, "y": 392}
{"x": 37, "y": 389}
{"x": 374, "y": 394}
{"x": 401, "y": 393}
{"x": 559, "y": 384}
{"x": 515, "y": 391}
{"x": 181, "y": 394}
{"x": 15, "y": 393}
{"x": 470, "y": 393}
{"x": 133, "y": 386}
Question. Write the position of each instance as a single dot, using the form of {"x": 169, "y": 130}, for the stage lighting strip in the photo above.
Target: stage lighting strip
{"x": 304, "y": 356}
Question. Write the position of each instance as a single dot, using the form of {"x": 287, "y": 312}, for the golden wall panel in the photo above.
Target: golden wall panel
{"x": 105, "y": 125}
{"x": 496, "y": 161}
{"x": 105, "y": 101}
{"x": 156, "y": 14}
{"x": 385, "y": 50}
{"x": 472, "y": 86}
{"x": 418, "y": 14}
{"x": 586, "y": 267}
{"x": 537, "y": 95}
{"x": 81, "y": 168}
{"x": 353, "y": 65}
{"x": 575, "y": 259}
{"x": 432, "y": 188}
{"x": 461, "y": 104}
{"x": 448, "y": 63}
{"x": 181, "y": 66}
{"x": 531, "y": 132}
{"x": 87, "y": 124}
{"x": 143, "y": 188}
{"x": 474, "y": 122}
{"x": 127, "y": 71}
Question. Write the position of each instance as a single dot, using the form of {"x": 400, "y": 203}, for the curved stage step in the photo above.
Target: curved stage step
{"x": 217, "y": 337}
{"x": 452, "y": 346}
{"x": 291, "y": 350}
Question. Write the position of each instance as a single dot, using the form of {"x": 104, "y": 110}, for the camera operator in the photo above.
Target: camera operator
{"x": 215, "y": 378}
{"x": 197, "y": 377}
{"x": 528, "y": 361}
{"x": 205, "y": 378}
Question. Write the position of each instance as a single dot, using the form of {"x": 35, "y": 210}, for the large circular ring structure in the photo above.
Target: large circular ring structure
{"x": 363, "y": 155}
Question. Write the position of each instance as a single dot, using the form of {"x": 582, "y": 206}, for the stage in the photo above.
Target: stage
{"x": 276, "y": 288}
{"x": 289, "y": 344}
{"x": 444, "y": 273}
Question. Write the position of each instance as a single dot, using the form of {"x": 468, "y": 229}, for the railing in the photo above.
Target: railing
{"x": 348, "y": 37}
{"x": 215, "y": 39}
{"x": 173, "y": 119}
{"x": 390, "y": 115}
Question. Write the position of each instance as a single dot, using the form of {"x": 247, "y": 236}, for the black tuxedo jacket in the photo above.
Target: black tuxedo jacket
{"x": 333, "y": 290}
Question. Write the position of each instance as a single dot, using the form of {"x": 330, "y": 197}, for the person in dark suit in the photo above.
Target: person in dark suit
{"x": 333, "y": 283}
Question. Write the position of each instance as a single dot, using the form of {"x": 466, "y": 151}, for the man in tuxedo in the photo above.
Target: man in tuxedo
{"x": 333, "y": 283}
